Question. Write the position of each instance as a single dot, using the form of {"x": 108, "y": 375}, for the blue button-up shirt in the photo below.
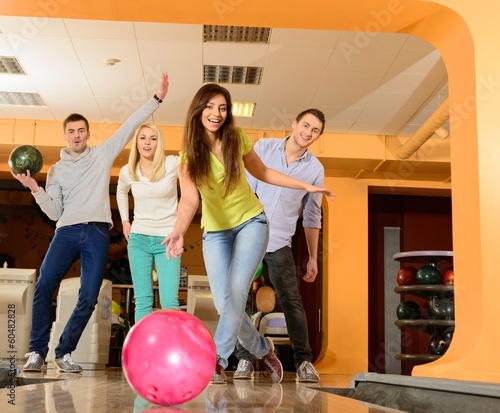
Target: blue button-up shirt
{"x": 283, "y": 206}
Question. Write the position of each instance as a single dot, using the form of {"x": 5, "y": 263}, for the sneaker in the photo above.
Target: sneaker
{"x": 272, "y": 364}
{"x": 219, "y": 376}
{"x": 306, "y": 373}
{"x": 34, "y": 363}
{"x": 66, "y": 364}
{"x": 244, "y": 370}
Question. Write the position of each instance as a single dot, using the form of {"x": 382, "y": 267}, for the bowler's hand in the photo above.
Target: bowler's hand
{"x": 27, "y": 180}
{"x": 175, "y": 245}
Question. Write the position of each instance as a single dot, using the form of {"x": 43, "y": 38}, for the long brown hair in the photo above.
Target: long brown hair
{"x": 195, "y": 147}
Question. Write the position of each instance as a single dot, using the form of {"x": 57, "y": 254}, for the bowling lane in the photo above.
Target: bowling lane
{"x": 108, "y": 391}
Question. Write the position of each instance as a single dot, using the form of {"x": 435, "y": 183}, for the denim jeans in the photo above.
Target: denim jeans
{"x": 88, "y": 243}
{"x": 143, "y": 252}
{"x": 231, "y": 258}
{"x": 282, "y": 273}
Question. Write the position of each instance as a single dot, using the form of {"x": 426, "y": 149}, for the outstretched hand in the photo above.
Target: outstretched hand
{"x": 163, "y": 90}
{"x": 175, "y": 245}
{"x": 316, "y": 189}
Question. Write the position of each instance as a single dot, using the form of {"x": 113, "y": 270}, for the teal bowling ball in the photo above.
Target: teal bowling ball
{"x": 428, "y": 274}
{"x": 26, "y": 157}
{"x": 409, "y": 310}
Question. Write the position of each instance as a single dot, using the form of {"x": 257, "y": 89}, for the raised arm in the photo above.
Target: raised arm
{"x": 259, "y": 170}
{"x": 188, "y": 204}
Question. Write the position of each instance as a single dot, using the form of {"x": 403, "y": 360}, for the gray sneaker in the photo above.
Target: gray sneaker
{"x": 66, "y": 364}
{"x": 34, "y": 363}
{"x": 244, "y": 370}
{"x": 306, "y": 373}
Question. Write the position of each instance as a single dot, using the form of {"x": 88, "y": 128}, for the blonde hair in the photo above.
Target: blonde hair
{"x": 158, "y": 160}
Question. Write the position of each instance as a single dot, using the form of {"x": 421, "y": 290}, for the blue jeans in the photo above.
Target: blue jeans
{"x": 231, "y": 258}
{"x": 88, "y": 243}
{"x": 282, "y": 273}
{"x": 143, "y": 252}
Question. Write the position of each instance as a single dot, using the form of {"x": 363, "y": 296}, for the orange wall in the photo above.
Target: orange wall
{"x": 467, "y": 41}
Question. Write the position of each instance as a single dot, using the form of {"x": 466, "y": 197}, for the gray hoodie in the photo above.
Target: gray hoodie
{"x": 77, "y": 188}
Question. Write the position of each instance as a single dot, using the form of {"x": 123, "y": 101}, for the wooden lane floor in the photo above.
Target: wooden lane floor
{"x": 107, "y": 391}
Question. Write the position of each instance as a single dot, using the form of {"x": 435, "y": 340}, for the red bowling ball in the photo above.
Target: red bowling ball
{"x": 407, "y": 276}
{"x": 168, "y": 357}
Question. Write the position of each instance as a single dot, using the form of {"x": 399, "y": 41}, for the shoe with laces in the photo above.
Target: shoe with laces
{"x": 271, "y": 364}
{"x": 244, "y": 370}
{"x": 35, "y": 362}
{"x": 306, "y": 373}
{"x": 219, "y": 376}
{"x": 66, "y": 364}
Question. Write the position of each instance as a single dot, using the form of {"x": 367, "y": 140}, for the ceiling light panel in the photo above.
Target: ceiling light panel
{"x": 214, "y": 33}
{"x": 246, "y": 75}
{"x": 244, "y": 109}
{"x": 20, "y": 99}
{"x": 10, "y": 65}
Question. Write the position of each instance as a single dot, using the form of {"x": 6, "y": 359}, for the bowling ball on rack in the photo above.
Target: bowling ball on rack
{"x": 25, "y": 157}
{"x": 409, "y": 310}
{"x": 443, "y": 309}
{"x": 407, "y": 276}
{"x": 428, "y": 274}
{"x": 448, "y": 276}
{"x": 439, "y": 343}
{"x": 168, "y": 357}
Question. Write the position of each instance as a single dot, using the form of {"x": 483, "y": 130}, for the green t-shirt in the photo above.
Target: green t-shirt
{"x": 219, "y": 213}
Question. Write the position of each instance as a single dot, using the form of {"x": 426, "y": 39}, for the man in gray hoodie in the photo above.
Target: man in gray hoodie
{"x": 76, "y": 195}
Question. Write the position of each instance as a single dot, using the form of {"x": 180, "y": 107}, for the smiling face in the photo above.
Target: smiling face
{"x": 147, "y": 141}
{"x": 307, "y": 130}
{"x": 76, "y": 135}
{"x": 215, "y": 113}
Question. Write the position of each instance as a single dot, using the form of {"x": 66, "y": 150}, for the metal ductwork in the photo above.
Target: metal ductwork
{"x": 428, "y": 128}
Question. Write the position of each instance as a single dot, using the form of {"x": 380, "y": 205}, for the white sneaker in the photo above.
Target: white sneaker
{"x": 34, "y": 363}
{"x": 306, "y": 373}
{"x": 244, "y": 370}
{"x": 67, "y": 364}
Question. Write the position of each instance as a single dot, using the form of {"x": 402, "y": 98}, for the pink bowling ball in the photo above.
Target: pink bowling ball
{"x": 168, "y": 357}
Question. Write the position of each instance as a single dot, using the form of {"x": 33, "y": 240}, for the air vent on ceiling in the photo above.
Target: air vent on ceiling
{"x": 20, "y": 99}
{"x": 247, "y": 75}
{"x": 214, "y": 33}
{"x": 10, "y": 65}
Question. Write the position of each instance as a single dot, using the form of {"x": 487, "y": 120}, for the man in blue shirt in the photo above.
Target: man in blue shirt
{"x": 283, "y": 208}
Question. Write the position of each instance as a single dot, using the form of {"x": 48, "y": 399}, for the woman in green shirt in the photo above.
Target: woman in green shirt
{"x": 213, "y": 161}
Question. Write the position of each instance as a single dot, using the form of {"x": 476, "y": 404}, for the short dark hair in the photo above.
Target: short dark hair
{"x": 75, "y": 117}
{"x": 316, "y": 113}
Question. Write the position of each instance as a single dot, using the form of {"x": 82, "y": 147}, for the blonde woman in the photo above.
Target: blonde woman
{"x": 152, "y": 178}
